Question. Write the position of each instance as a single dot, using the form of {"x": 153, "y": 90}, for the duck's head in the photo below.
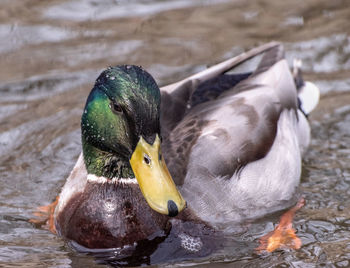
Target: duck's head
{"x": 121, "y": 135}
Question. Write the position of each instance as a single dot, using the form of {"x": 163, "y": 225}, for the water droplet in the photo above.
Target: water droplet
{"x": 103, "y": 139}
{"x": 85, "y": 111}
{"x": 109, "y": 67}
{"x": 112, "y": 78}
{"x": 107, "y": 75}
{"x": 128, "y": 67}
{"x": 87, "y": 124}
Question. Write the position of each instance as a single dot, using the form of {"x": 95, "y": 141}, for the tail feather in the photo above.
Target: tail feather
{"x": 308, "y": 93}
{"x": 309, "y": 96}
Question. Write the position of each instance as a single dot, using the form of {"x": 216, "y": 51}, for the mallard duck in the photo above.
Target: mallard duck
{"x": 217, "y": 147}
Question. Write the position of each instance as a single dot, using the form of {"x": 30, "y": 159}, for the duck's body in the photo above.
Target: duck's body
{"x": 235, "y": 155}
{"x": 245, "y": 158}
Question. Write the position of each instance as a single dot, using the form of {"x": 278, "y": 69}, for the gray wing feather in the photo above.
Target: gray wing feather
{"x": 177, "y": 96}
{"x": 238, "y": 127}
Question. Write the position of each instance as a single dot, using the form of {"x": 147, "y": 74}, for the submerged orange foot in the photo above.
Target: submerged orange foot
{"x": 45, "y": 216}
{"x": 284, "y": 235}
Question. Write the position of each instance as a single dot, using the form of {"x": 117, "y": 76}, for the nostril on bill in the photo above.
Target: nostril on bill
{"x": 172, "y": 208}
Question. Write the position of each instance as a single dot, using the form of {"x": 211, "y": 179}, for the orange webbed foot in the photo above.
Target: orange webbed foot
{"x": 45, "y": 216}
{"x": 284, "y": 235}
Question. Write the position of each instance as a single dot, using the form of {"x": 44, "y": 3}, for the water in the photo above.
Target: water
{"x": 51, "y": 52}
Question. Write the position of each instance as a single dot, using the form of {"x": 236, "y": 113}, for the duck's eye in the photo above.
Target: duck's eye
{"x": 115, "y": 107}
{"x": 147, "y": 159}
{"x": 160, "y": 157}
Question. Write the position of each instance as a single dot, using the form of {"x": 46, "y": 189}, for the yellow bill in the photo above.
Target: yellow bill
{"x": 154, "y": 179}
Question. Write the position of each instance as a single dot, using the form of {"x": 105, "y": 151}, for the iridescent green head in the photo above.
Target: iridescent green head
{"x": 122, "y": 106}
{"x": 121, "y": 135}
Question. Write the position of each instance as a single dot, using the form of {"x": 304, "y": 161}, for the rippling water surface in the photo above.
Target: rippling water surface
{"x": 51, "y": 52}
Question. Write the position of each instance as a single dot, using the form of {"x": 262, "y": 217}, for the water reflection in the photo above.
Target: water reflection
{"x": 321, "y": 56}
{"x": 51, "y": 52}
{"x": 22, "y": 35}
{"x": 81, "y": 10}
